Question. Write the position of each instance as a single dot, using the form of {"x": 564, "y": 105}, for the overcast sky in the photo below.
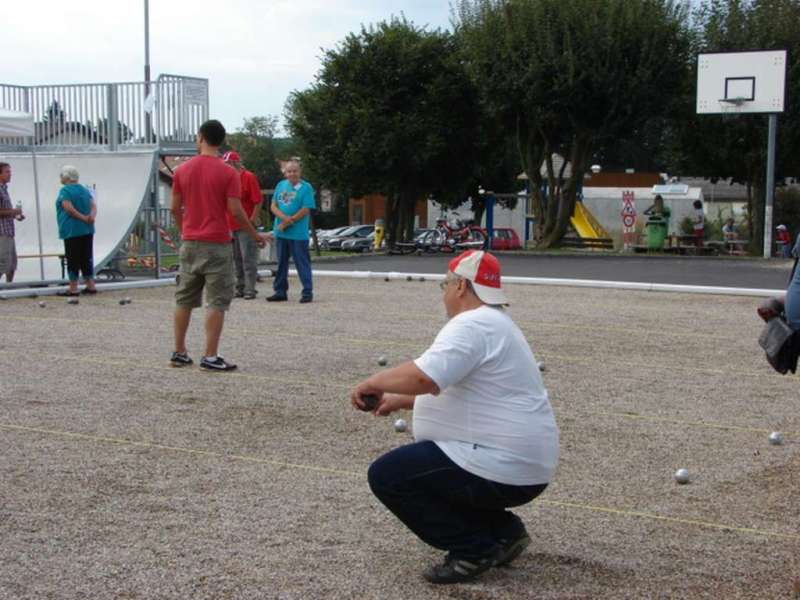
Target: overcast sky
{"x": 254, "y": 53}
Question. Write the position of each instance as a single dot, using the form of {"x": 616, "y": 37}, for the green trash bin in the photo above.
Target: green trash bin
{"x": 656, "y": 232}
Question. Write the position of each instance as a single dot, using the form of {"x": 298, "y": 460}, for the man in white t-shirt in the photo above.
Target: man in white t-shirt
{"x": 485, "y": 435}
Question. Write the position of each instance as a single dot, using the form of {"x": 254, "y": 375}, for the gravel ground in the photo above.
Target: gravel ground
{"x": 123, "y": 478}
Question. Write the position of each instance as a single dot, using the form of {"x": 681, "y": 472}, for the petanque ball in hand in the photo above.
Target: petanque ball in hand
{"x": 370, "y": 402}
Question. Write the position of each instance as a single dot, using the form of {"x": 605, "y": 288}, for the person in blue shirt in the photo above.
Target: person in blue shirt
{"x": 292, "y": 204}
{"x": 75, "y": 212}
{"x": 792, "y": 300}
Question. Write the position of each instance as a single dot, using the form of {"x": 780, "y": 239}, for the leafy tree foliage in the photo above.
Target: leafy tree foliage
{"x": 391, "y": 111}
{"x": 571, "y": 77}
{"x": 260, "y": 150}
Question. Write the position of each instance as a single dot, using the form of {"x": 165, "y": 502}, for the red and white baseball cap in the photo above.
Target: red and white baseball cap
{"x": 483, "y": 270}
{"x": 231, "y": 156}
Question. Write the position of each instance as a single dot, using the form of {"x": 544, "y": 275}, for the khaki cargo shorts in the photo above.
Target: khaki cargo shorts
{"x": 8, "y": 255}
{"x": 205, "y": 265}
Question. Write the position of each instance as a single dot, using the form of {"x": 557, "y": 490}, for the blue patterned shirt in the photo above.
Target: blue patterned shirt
{"x": 6, "y": 223}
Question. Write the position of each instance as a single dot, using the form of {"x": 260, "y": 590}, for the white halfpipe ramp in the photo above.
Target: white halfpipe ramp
{"x": 119, "y": 180}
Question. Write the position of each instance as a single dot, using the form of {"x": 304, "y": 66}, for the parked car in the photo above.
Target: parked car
{"x": 359, "y": 244}
{"x": 356, "y": 231}
{"x": 324, "y": 234}
{"x": 505, "y": 238}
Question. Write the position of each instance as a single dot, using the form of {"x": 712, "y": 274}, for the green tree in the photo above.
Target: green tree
{"x": 734, "y": 147}
{"x": 569, "y": 77}
{"x": 392, "y": 111}
{"x": 260, "y": 150}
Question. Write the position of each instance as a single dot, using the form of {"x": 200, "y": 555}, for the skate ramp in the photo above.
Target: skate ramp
{"x": 119, "y": 181}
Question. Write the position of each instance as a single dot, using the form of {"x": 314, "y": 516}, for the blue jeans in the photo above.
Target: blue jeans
{"x": 298, "y": 250}
{"x": 791, "y": 304}
{"x": 446, "y": 506}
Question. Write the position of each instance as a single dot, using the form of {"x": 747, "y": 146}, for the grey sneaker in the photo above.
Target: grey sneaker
{"x": 218, "y": 364}
{"x": 511, "y": 549}
{"x": 180, "y": 359}
{"x": 458, "y": 570}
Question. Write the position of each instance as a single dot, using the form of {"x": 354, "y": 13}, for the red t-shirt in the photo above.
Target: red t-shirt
{"x": 205, "y": 183}
{"x": 251, "y": 195}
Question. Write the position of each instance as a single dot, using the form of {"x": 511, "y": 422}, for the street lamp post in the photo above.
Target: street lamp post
{"x": 148, "y": 126}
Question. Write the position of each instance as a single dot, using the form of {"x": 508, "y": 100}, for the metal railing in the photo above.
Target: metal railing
{"x": 111, "y": 116}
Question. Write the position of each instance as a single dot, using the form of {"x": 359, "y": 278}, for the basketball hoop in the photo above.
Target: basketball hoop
{"x": 732, "y": 106}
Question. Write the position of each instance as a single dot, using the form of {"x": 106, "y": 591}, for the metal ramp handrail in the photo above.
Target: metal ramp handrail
{"x": 109, "y": 116}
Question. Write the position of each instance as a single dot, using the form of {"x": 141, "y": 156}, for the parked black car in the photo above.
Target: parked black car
{"x": 356, "y": 231}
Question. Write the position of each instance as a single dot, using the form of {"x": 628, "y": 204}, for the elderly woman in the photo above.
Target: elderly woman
{"x": 75, "y": 212}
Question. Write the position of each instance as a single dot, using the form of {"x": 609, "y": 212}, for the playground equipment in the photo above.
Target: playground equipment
{"x": 115, "y": 134}
{"x": 585, "y": 224}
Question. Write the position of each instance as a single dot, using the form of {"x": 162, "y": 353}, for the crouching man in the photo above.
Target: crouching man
{"x": 485, "y": 435}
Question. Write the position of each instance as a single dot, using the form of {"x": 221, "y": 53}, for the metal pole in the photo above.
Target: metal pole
{"x": 152, "y": 186}
{"x": 148, "y": 125}
{"x": 38, "y": 211}
{"x": 773, "y": 126}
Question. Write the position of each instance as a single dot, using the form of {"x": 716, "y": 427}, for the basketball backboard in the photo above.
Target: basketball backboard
{"x": 741, "y": 82}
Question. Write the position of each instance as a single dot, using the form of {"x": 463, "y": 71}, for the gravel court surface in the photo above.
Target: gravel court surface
{"x": 187, "y": 484}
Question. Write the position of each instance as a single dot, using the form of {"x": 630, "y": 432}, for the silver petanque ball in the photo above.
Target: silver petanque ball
{"x": 541, "y": 366}
{"x": 776, "y": 438}
{"x": 681, "y": 476}
{"x": 72, "y": 300}
{"x": 42, "y": 304}
{"x": 400, "y": 425}
{"x": 422, "y": 279}
{"x": 122, "y": 302}
{"x": 409, "y": 278}
{"x": 127, "y": 300}
{"x": 382, "y": 361}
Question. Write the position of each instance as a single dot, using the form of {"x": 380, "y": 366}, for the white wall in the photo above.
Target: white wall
{"x": 606, "y": 205}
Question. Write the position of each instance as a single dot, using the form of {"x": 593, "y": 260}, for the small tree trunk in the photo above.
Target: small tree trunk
{"x": 478, "y": 208}
{"x": 410, "y": 207}
{"x": 391, "y": 219}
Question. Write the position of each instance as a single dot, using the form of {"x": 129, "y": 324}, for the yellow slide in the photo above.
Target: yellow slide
{"x": 585, "y": 225}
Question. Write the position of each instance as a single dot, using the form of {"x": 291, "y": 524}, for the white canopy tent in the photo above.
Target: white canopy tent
{"x": 20, "y": 124}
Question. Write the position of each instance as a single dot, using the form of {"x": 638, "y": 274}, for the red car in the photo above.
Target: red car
{"x": 505, "y": 238}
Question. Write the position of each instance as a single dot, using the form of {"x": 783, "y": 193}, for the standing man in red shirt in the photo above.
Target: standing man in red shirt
{"x": 204, "y": 191}
{"x": 245, "y": 251}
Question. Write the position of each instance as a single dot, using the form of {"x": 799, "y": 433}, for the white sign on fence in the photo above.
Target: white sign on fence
{"x": 195, "y": 92}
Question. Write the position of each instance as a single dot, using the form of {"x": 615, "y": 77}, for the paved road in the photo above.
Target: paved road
{"x": 726, "y": 272}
